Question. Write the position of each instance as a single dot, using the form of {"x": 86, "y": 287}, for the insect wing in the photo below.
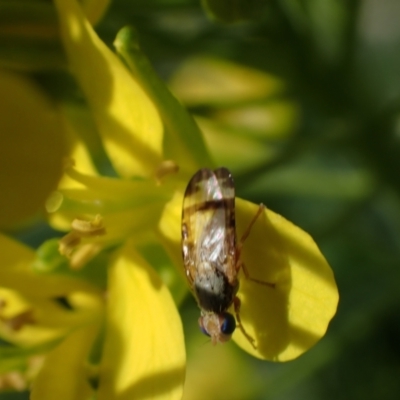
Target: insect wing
{"x": 208, "y": 221}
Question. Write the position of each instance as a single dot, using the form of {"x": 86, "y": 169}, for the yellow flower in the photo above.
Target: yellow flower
{"x": 244, "y": 107}
{"x": 285, "y": 322}
{"x": 290, "y": 319}
{"x": 123, "y": 334}
{"x": 38, "y": 311}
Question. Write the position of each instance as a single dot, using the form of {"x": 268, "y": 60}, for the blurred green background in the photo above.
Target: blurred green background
{"x": 320, "y": 145}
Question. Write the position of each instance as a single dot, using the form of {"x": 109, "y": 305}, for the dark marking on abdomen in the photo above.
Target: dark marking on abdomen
{"x": 216, "y": 301}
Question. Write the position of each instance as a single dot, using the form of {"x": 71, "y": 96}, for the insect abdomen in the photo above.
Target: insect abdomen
{"x": 214, "y": 292}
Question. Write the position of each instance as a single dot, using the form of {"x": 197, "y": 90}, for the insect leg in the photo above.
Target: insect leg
{"x": 247, "y": 275}
{"x": 239, "y": 246}
{"x": 246, "y": 233}
{"x": 236, "y": 305}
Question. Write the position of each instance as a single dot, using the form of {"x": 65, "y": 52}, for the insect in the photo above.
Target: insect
{"x": 211, "y": 254}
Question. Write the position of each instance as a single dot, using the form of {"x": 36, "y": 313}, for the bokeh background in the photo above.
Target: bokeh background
{"x": 301, "y": 100}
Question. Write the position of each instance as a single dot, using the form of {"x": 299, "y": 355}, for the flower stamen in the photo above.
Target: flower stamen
{"x": 82, "y": 229}
{"x": 167, "y": 167}
{"x": 84, "y": 254}
{"x": 17, "y": 322}
{"x": 91, "y": 228}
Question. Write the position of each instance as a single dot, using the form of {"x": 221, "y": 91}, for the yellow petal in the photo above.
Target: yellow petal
{"x": 95, "y": 9}
{"x": 183, "y": 141}
{"x": 231, "y": 370}
{"x": 271, "y": 119}
{"x": 203, "y": 80}
{"x": 16, "y": 274}
{"x": 243, "y": 151}
{"x": 31, "y": 148}
{"x": 79, "y": 123}
{"x": 286, "y": 320}
{"x": 30, "y": 321}
{"x": 64, "y": 374}
{"x": 169, "y": 230}
{"x": 126, "y": 119}
{"x": 29, "y": 314}
{"x": 126, "y": 206}
{"x": 144, "y": 352}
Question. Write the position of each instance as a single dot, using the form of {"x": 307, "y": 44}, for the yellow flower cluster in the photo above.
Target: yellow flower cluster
{"x": 122, "y": 337}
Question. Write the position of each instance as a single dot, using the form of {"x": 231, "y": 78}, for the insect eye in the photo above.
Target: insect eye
{"x": 228, "y": 324}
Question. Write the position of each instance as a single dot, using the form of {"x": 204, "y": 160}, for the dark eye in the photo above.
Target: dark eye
{"x": 228, "y": 324}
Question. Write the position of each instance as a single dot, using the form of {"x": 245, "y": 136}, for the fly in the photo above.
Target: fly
{"x": 211, "y": 254}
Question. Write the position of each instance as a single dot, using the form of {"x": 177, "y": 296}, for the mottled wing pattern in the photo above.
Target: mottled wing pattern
{"x": 208, "y": 222}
